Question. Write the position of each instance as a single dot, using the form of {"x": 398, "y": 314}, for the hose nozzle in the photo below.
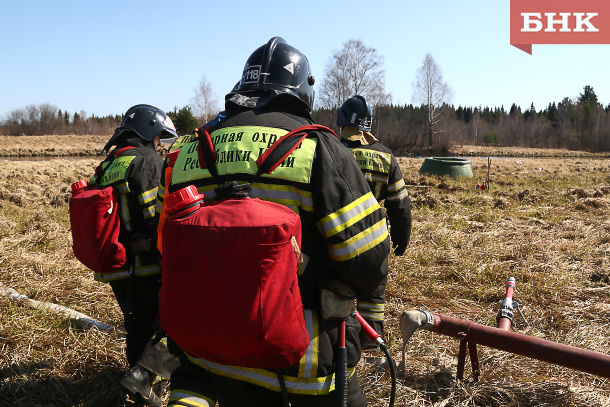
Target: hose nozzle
{"x": 411, "y": 321}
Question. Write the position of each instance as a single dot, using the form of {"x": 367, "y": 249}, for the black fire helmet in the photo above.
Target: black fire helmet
{"x": 146, "y": 122}
{"x": 355, "y": 112}
{"x": 279, "y": 70}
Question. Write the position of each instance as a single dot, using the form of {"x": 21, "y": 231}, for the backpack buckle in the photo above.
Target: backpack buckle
{"x": 233, "y": 190}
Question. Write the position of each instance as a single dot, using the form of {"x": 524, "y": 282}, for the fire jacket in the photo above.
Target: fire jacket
{"x": 135, "y": 173}
{"x": 344, "y": 232}
{"x": 385, "y": 179}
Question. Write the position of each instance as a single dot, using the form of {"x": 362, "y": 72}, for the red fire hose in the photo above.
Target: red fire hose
{"x": 376, "y": 338}
{"x": 535, "y": 348}
{"x": 502, "y": 338}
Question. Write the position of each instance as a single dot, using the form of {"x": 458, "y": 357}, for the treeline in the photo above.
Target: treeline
{"x": 47, "y": 119}
{"x": 581, "y": 123}
{"x": 575, "y": 124}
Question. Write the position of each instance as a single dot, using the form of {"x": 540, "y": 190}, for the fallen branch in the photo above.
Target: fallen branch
{"x": 75, "y": 317}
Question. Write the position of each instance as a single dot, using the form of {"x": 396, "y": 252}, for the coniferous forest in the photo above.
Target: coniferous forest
{"x": 579, "y": 123}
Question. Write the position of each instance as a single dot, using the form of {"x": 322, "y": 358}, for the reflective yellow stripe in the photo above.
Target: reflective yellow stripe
{"x": 396, "y": 186}
{"x": 124, "y": 207}
{"x": 123, "y": 187}
{"x": 370, "y": 306}
{"x": 105, "y": 277}
{"x": 139, "y": 270}
{"x": 348, "y": 215}
{"x": 371, "y": 311}
{"x": 375, "y": 178}
{"x": 283, "y": 194}
{"x": 308, "y": 365}
{"x": 158, "y": 205}
{"x": 269, "y": 380}
{"x": 397, "y": 197}
{"x": 149, "y": 212}
{"x": 189, "y": 398}
{"x": 147, "y": 196}
{"x": 160, "y": 198}
{"x": 360, "y": 243}
{"x": 397, "y": 191}
{"x": 374, "y": 316}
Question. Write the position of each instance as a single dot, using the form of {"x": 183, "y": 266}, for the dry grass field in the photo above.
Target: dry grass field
{"x": 544, "y": 221}
{"x": 51, "y": 146}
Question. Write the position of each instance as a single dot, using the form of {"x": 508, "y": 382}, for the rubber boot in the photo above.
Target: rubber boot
{"x": 137, "y": 388}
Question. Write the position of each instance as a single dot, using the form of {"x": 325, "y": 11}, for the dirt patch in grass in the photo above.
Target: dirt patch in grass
{"x": 543, "y": 221}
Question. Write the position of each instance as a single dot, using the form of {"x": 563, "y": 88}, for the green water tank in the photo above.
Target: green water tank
{"x": 452, "y": 166}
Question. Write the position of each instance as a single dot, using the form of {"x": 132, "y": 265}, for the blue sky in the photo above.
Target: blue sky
{"x": 103, "y": 57}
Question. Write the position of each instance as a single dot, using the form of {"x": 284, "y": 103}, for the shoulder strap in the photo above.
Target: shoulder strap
{"x": 205, "y": 150}
{"x": 172, "y": 156}
{"x": 270, "y": 159}
{"x": 119, "y": 151}
{"x": 284, "y": 146}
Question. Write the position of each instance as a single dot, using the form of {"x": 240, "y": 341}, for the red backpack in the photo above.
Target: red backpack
{"x": 95, "y": 225}
{"x": 230, "y": 289}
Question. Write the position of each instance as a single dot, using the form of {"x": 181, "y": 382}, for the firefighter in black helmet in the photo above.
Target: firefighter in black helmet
{"x": 385, "y": 179}
{"x": 133, "y": 168}
{"x": 344, "y": 234}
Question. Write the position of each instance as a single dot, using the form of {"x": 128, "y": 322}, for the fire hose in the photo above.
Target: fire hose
{"x": 376, "y": 339}
{"x": 471, "y": 334}
{"x": 337, "y": 302}
{"x": 341, "y": 375}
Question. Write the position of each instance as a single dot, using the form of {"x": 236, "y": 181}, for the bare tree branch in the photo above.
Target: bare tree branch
{"x": 205, "y": 103}
{"x": 354, "y": 70}
{"x": 432, "y": 92}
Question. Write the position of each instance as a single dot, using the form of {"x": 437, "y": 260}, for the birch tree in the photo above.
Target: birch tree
{"x": 355, "y": 69}
{"x": 205, "y": 103}
{"x": 433, "y": 93}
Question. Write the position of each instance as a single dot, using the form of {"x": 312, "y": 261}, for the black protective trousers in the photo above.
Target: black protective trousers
{"x": 376, "y": 297}
{"x": 236, "y": 393}
{"x": 139, "y": 303}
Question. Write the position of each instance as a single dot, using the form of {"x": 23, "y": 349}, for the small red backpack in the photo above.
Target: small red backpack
{"x": 95, "y": 225}
{"x": 230, "y": 289}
